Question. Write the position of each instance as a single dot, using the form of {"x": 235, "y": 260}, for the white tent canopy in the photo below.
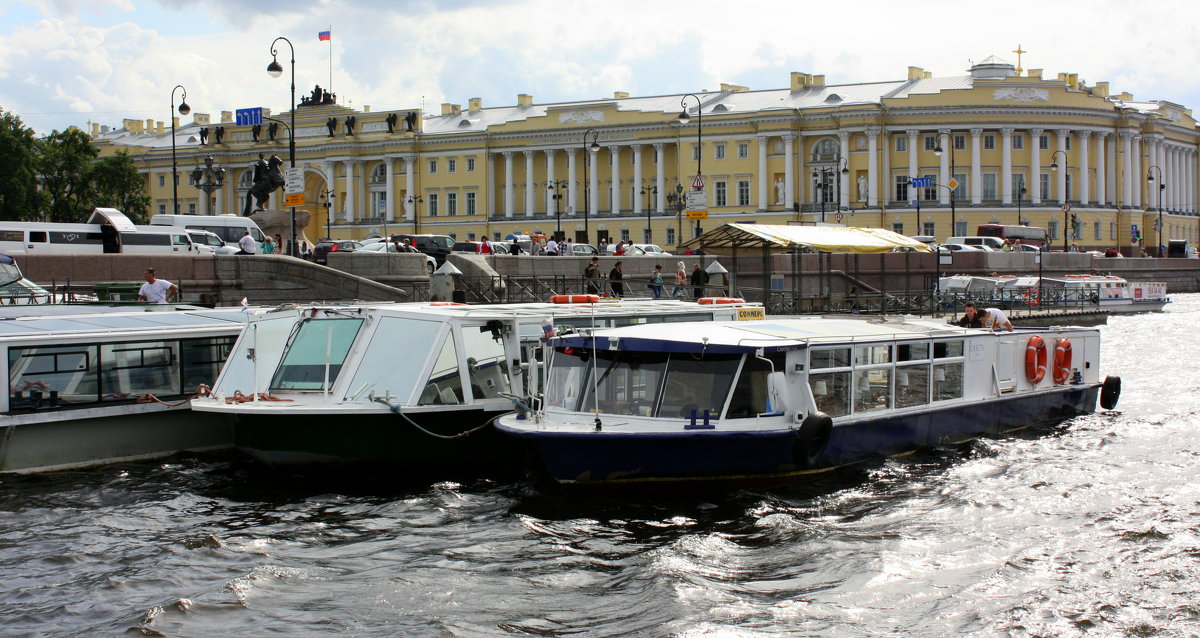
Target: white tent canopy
{"x": 830, "y": 239}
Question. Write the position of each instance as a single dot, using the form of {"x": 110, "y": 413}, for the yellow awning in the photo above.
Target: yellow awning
{"x": 830, "y": 239}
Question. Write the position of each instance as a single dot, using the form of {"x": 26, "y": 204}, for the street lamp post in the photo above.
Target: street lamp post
{"x": 823, "y": 184}
{"x": 938, "y": 152}
{"x": 1161, "y": 187}
{"x": 594, "y": 147}
{"x": 208, "y": 178}
{"x": 1020, "y": 195}
{"x": 678, "y": 202}
{"x": 684, "y": 118}
{"x": 1066, "y": 208}
{"x": 556, "y": 186}
{"x": 274, "y": 69}
{"x": 184, "y": 109}
{"x": 647, "y": 191}
{"x": 916, "y": 196}
{"x": 327, "y": 202}
{"x": 416, "y": 200}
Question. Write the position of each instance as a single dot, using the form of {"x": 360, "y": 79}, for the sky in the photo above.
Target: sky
{"x": 69, "y": 62}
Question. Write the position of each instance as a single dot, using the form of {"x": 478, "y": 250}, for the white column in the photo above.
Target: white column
{"x": 491, "y": 205}
{"x": 976, "y": 167}
{"x": 1178, "y": 173}
{"x": 508, "y": 185}
{"x": 1127, "y": 170}
{"x": 798, "y": 191}
{"x": 1138, "y": 173}
{"x": 763, "y": 178}
{"x": 530, "y": 194}
{"x": 389, "y": 164}
{"x": 219, "y": 202}
{"x": 1101, "y": 167}
{"x": 1035, "y": 166}
{"x": 410, "y": 171}
{"x": 1006, "y": 180}
{"x": 348, "y": 199}
{"x": 886, "y": 181}
{"x": 789, "y": 169}
{"x": 1160, "y": 160}
{"x": 572, "y": 187}
{"x": 593, "y": 194}
{"x": 614, "y": 156}
{"x": 551, "y": 204}
{"x": 1189, "y": 181}
{"x": 872, "y": 167}
{"x": 944, "y": 138}
{"x": 1084, "y": 178}
{"x": 637, "y": 178}
{"x": 844, "y": 179}
{"x": 660, "y": 198}
{"x": 913, "y": 166}
{"x": 1064, "y": 165}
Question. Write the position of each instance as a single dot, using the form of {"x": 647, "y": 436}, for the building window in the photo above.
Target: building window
{"x": 433, "y": 204}
{"x": 162, "y": 181}
{"x": 451, "y": 204}
{"x": 162, "y": 209}
{"x": 470, "y": 204}
{"x": 743, "y": 192}
{"x": 898, "y": 228}
{"x": 901, "y": 143}
{"x": 719, "y": 151}
{"x": 192, "y": 208}
{"x": 929, "y": 228}
{"x": 695, "y": 152}
{"x": 930, "y": 193}
{"x": 470, "y": 164}
{"x": 1068, "y": 142}
{"x": 470, "y": 236}
{"x": 989, "y": 186}
{"x": 670, "y": 235}
{"x": 1112, "y": 231}
{"x": 1052, "y": 229}
{"x": 743, "y": 150}
{"x": 960, "y": 142}
{"x": 379, "y": 174}
{"x": 1044, "y": 142}
{"x": 1067, "y": 196}
{"x": 901, "y": 188}
{"x": 1018, "y": 142}
{"x": 1018, "y": 182}
{"x": 432, "y": 166}
{"x": 960, "y": 192}
{"x": 930, "y": 142}
{"x": 960, "y": 229}
{"x": 719, "y": 194}
{"x": 451, "y": 165}
{"x": 646, "y": 236}
{"x": 825, "y": 150}
{"x": 378, "y": 203}
{"x": 1096, "y": 230}
{"x": 1045, "y": 185}
{"x": 625, "y": 234}
{"x": 989, "y": 142}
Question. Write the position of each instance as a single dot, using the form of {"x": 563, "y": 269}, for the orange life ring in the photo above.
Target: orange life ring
{"x": 708, "y": 301}
{"x": 1033, "y": 297}
{"x": 1062, "y": 361}
{"x": 575, "y": 299}
{"x": 1035, "y": 360}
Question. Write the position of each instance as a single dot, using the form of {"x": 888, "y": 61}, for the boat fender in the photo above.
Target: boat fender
{"x": 1110, "y": 392}
{"x": 812, "y": 437}
{"x": 1062, "y": 361}
{"x": 1035, "y": 359}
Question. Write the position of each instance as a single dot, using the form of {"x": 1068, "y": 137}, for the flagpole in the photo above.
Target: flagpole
{"x": 331, "y": 58}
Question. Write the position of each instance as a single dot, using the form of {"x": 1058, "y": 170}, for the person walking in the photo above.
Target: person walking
{"x": 699, "y": 280}
{"x": 656, "y": 281}
{"x": 156, "y": 290}
{"x": 247, "y": 244}
{"x": 591, "y": 275}
{"x": 681, "y": 280}
{"x": 267, "y": 247}
{"x": 615, "y": 282}
{"x": 552, "y": 247}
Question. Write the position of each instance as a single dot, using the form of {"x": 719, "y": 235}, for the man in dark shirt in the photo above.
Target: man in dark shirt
{"x": 699, "y": 280}
{"x": 971, "y": 318}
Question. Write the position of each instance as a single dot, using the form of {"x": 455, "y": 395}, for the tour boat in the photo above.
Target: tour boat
{"x": 89, "y": 385}
{"x": 1108, "y": 293}
{"x": 412, "y": 386}
{"x": 765, "y": 403}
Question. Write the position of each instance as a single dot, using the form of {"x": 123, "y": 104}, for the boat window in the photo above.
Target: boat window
{"x": 912, "y": 351}
{"x": 70, "y": 371}
{"x": 317, "y": 341}
{"x": 568, "y": 373}
{"x": 750, "y": 394}
{"x": 486, "y": 367}
{"x": 133, "y": 369}
{"x": 947, "y": 349}
{"x": 628, "y": 382}
{"x": 829, "y": 358}
{"x": 444, "y": 386}
{"x": 831, "y": 391}
{"x": 698, "y": 384}
{"x": 395, "y": 357}
{"x": 872, "y": 389}
{"x": 912, "y": 385}
{"x": 201, "y": 360}
{"x": 947, "y": 381}
{"x": 871, "y": 355}
{"x": 255, "y": 355}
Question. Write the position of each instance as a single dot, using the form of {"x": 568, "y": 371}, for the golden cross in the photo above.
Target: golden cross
{"x": 1019, "y": 52}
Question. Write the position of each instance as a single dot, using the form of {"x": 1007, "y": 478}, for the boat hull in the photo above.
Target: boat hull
{"x": 770, "y": 457}
{"x": 48, "y": 441}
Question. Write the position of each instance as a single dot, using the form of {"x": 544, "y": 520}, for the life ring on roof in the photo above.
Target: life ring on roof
{"x": 709, "y": 301}
{"x": 1062, "y": 361}
{"x": 1035, "y": 359}
{"x": 575, "y": 299}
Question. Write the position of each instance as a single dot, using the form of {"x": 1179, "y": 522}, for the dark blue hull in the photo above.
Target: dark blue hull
{"x": 610, "y": 458}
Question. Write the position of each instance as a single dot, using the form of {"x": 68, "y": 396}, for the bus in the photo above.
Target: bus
{"x": 1031, "y": 235}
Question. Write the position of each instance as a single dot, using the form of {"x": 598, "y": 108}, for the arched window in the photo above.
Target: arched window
{"x": 378, "y": 191}
{"x": 379, "y": 173}
{"x": 826, "y": 150}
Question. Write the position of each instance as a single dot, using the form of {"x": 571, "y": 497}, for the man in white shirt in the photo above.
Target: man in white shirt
{"x": 247, "y": 244}
{"x": 157, "y": 290}
{"x": 995, "y": 319}
{"x": 551, "y": 247}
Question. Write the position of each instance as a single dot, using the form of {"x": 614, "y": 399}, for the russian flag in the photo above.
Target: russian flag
{"x": 323, "y": 36}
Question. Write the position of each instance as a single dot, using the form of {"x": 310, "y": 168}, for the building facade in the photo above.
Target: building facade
{"x": 999, "y": 145}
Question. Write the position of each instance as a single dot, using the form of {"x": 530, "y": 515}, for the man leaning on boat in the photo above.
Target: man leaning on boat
{"x": 993, "y": 318}
{"x": 157, "y": 290}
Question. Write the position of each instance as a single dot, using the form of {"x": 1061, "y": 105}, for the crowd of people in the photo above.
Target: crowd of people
{"x": 614, "y": 283}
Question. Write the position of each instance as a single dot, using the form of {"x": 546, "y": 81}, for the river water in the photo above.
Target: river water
{"x": 1090, "y": 528}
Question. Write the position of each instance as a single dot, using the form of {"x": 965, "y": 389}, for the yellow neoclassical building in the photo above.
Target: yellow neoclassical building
{"x": 999, "y": 145}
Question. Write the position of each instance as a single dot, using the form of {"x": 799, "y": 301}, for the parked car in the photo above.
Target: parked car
{"x": 322, "y": 250}
{"x": 636, "y": 249}
{"x": 583, "y": 250}
{"x": 478, "y": 248}
{"x": 437, "y": 246}
{"x": 960, "y": 248}
{"x": 210, "y": 241}
{"x": 387, "y": 247}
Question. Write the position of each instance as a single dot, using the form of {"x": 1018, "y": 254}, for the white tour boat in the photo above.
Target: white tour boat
{"x": 762, "y": 403}
{"x": 413, "y": 386}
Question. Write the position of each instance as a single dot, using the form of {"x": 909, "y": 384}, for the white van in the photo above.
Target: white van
{"x": 108, "y": 231}
{"x": 995, "y": 243}
{"x": 229, "y": 228}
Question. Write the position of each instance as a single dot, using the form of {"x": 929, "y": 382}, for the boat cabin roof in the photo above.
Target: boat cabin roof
{"x": 114, "y": 322}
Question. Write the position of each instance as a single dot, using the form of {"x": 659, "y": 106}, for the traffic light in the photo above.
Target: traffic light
{"x": 1075, "y": 225}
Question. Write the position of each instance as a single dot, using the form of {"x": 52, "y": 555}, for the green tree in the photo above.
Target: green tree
{"x": 65, "y": 165}
{"x": 19, "y": 196}
{"x": 117, "y": 184}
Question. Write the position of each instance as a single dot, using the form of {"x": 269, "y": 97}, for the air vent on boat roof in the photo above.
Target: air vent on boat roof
{"x": 833, "y": 97}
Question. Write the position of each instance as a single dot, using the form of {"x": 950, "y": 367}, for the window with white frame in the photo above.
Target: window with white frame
{"x": 192, "y": 208}
{"x": 929, "y": 228}
{"x": 960, "y": 229}
{"x": 930, "y": 142}
{"x": 470, "y": 203}
{"x": 719, "y": 151}
{"x": 1068, "y": 142}
{"x": 1112, "y": 231}
{"x": 378, "y": 203}
{"x": 1068, "y": 193}
{"x": 432, "y": 166}
{"x": 826, "y": 149}
{"x": 1052, "y": 229}
{"x": 901, "y": 191}
{"x": 670, "y": 235}
{"x": 1018, "y": 142}
{"x": 162, "y": 209}
{"x": 743, "y": 192}
{"x": 470, "y": 236}
{"x": 989, "y": 186}
{"x": 960, "y": 192}
{"x": 989, "y": 142}
{"x": 901, "y": 143}
{"x": 378, "y": 174}
{"x": 625, "y": 234}
{"x": 960, "y": 142}
{"x": 930, "y": 193}
{"x": 719, "y": 194}
{"x": 451, "y": 165}
{"x": 451, "y": 204}
{"x": 470, "y": 164}
{"x": 695, "y": 152}
{"x": 743, "y": 150}
{"x": 898, "y": 228}
{"x": 1096, "y": 230}
{"x": 1045, "y": 185}
{"x": 1044, "y": 142}
{"x": 1018, "y": 183}
{"x": 162, "y": 181}
{"x": 433, "y": 204}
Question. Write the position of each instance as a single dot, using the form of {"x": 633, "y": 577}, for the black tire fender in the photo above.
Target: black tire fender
{"x": 812, "y": 437}
{"x": 1110, "y": 392}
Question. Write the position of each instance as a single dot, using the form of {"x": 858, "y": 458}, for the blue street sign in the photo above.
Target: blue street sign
{"x": 1133, "y": 229}
{"x": 248, "y": 117}
{"x": 922, "y": 182}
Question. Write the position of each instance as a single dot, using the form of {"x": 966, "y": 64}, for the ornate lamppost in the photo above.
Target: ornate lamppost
{"x": 937, "y": 150}
{"x": 1161, "y": 187}
{"x": 208, "y": 178}
{"x": 274, "y": 69}
{"x": 416, "y": 200}
{"x": 594, "y": 147}
{"x": 555, "y": 187}
{"x": 327, "y": 202}
{"x": 647, "y": 191}
{"x": 1066, "y": 206}
{"x": 678, "y": 203}
{"x": 184, "y": 109}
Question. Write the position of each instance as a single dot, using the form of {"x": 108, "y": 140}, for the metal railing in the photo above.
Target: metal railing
{"x": 1014, "y": 303}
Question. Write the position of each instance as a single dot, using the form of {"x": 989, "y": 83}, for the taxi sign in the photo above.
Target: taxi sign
{"x": 697, "y": 214}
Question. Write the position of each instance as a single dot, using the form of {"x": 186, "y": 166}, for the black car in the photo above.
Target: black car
{"x": 321, "y": 250}
{"x": 436, "y": 246}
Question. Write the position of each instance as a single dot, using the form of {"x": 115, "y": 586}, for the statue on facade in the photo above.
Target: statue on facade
{"x": 779, "y": 191}
{"x": 862, "y": 188}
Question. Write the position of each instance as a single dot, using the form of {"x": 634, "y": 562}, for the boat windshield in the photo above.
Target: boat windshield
{"x": 316, "y": 354}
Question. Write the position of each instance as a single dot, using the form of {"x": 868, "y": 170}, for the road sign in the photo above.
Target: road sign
{"x": 697, "y": 200}
{"x": 697, "y": 214}
{"x": 921, "y": 182}
{"x": 837, "y": 216}
{"x": 293, "y": 181}
{"x": 698, "y": 183}
{"x": 293, "y": 200}
{"x": 953, "y": 184}
{"x": 1066, "y": 207}
{"x": 248, "y": 117}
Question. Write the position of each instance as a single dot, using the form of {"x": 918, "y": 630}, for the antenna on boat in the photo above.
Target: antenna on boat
{"x": 595, "y": 372}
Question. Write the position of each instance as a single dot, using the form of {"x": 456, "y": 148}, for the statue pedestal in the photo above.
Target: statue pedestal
{"x": 279, "y": 222}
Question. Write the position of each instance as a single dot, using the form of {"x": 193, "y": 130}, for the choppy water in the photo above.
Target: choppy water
{"x": 1091, "y": 528}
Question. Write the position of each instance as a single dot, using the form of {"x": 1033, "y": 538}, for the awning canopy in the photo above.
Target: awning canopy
{"x": 830, "y": 239}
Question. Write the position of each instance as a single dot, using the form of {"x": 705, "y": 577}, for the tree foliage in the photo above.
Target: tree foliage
{"x": 117, "y": 184}
{"x": 19, "y": 196}
{"x": 65, "y": 163}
